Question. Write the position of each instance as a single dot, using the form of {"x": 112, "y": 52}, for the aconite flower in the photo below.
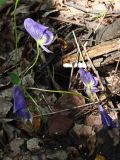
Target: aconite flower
{"x": 20, "y": 105}
{"x": 39, "y": 32}
{"x": 90, "y": 81}
{"x": 106, "y": 119}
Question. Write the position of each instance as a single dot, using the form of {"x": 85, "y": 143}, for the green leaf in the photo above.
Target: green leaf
{"x": 14, "y": 78}
{"x": 2, "y": 2}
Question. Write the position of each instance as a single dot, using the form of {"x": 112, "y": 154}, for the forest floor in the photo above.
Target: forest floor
{"x": 66, "y": 121}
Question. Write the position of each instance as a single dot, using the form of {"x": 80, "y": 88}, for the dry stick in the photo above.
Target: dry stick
{"x": 102, "y": 18}
{"x": 50, "y": 74}
{"x": 79, "y": 53}
{"x": 91, "y": 61}
{"x": 90, "y": 11}
{"x": 115, "y": 109}
{"x": 65, "y": 110}
{"x": 47, "y": 102}
{"x": 116, "y": 69}
{"x": 97, "y": 97}
{"x": 88, "y": 57}
{"x": 37, "y": 106}
{"x": 89, "y": 111}
{"x": 112, "y": 106}
{"x": 94, "y": 69}
{"x": 71, "y": 75}
{"x": 118, "y": 62}
{"x": 73, "y": 64}
{"x": 67, "y": 21}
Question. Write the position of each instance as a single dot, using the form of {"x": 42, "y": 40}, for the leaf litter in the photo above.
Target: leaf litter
{"x": 67, "y": 120}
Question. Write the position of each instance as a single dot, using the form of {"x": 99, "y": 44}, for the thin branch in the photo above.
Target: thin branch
{"x": 65, "y": 110}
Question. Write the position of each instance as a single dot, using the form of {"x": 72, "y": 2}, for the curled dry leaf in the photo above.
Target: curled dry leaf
{"x": 114, "y": 83}
{"x": 36, "y": 123}
{"x": 33, "y": 144}
{"x": 100, "y": 157}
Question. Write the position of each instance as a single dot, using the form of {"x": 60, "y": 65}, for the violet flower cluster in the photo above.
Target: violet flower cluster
{"x": 91, "y": 86}
{"x": 20, "y": 105}
{"x": 106, "y": 119}
{"x": 90, "y": 81}
{"x": 39, "y": 32}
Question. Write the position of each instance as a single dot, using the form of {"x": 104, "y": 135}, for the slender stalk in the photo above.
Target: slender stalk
{"x": 58, "y": 91}
{"x": 36, "y": 59}
{"x": 37, "y": 106}
{"x": 16, "y": 35}
{"x": 65, "y": 110}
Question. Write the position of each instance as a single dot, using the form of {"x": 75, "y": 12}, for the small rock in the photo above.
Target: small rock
{"x": 33, "y": 144}
{"x": 6, "y": 106}
{"x": 73, "y": 152}
{"x": 15, "y": 146}
{"x": 28, "y": 80}
{"x": 7, "y": 158}
{"x": 26, "y": 157}
{"x": 94, "y": 121}
{"x": 83, "y": 130}
{"x": 7, "y": 94}
{"x": 35, "y": 157}
{"x": 86, "y": 135}
{"x": 1, "y": 154}
{"x": 10, "y": 131}
{"x": 59, "y": 125}
{"x": 59, "y": 155}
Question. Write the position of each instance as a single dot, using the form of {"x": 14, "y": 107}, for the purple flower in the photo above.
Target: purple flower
{"x": 90, "y": 82}
{"x": 39, "y": 32}
{"x": 20, "y": 105}
{"x": 106, "y": 119}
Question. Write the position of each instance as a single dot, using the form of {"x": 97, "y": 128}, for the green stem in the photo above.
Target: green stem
{"x": 38, "y": 107}
{"x": 36, "y": 59}
{"x": 59, "y": 91}
{"x": 16, "y": 37}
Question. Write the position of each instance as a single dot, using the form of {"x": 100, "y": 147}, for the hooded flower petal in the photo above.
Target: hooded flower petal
{"x": 35, "y": 29}
{"x": 19, "y": 99}
{"x": 83, "y": 75}
{"x": 24, "y": 114}
{"x": 39, "y": 32}
{"x": 106, "y": 119}
{"x": 45, "y": 49}
{"x": 48, "y": 36}
{"x": 89, "y": 81}
{"x": 20, "y": 106}
{"x": 95, "y": 81}
{"x": 94, "y": 89}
